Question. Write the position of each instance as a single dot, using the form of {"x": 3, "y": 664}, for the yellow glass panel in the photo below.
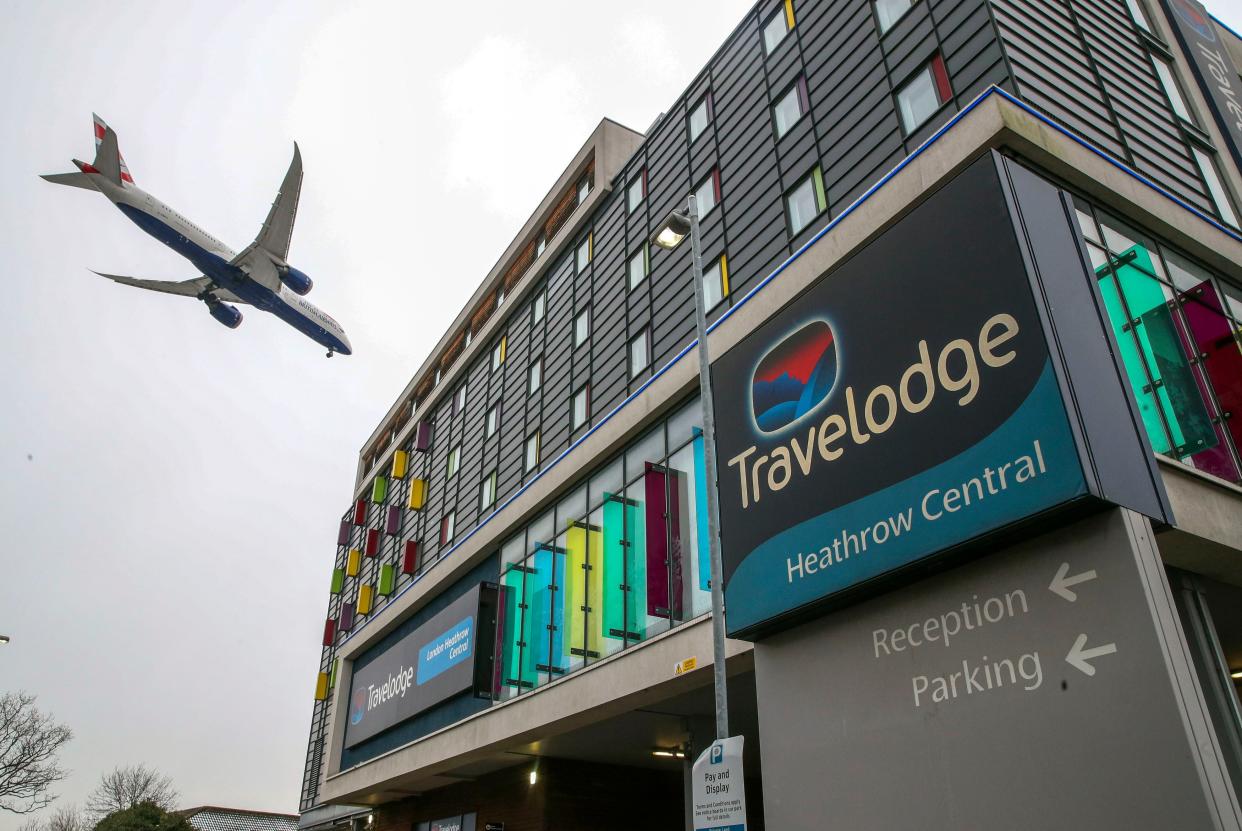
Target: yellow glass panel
{"x": 366, "y": 599}
{"x": 353, "y": 562}
{"x": 584, "y": 575}
{"x": 321, "y": 686}
{"x": 724, "y": 275}
{"x": 399, "y": 460}
{"x": 418, "y": 494}
{"x": 789, "y": 16}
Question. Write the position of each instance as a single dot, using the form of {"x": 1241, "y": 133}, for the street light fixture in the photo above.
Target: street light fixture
{"x": 670, "y": 235}
{"x": 4, "y": 639}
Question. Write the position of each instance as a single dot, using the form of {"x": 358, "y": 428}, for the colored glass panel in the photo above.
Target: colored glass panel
{"x": 1220, "y": 356}
{"x": 418, "y": 494}
{"x": 399, "y": 461}
{"x": 353, "y": 561}
{"x": 346, "y": 621}
{"x": 321, "y": 686}
{"x": 1169, "y": 401}
{"x": 379, "y": 490}
{"x": 332, "y": 673}
{"x": 422, "y": 437}
{"x": 338, "y": 580}
{"x": 360, "y": 512}
{"x": 329, "y": 632}
{"x": 546, "y": 613}
{"x": 392, "y": 524}
{"x": 342, "y": 536}
{"x": 516, "y": 668}
{"x": 625, "y": 569}
{"x": 372, "y": 541}
{"x": 366, "y": 599}
{"x": 663, "y": 569}
{"x": 584, "y": 580}
{"x": 703, "y": 554}
{"x": 387, "y": 580}
{"x": 409, "y": 559}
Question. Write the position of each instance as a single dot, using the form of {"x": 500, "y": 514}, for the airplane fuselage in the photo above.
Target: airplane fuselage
{"x": 214, "y": 259}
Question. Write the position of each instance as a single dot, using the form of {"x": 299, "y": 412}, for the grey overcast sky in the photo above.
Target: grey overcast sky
{"x": 169, "y": 489}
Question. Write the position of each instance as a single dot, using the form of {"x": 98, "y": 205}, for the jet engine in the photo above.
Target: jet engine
{"x": 296, "y": 280}
{"x": 230, "y": 316}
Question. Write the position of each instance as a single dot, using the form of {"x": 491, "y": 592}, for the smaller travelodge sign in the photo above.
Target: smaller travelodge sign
{"x": 434, "y": 662}
{"x": 916, "y": 399}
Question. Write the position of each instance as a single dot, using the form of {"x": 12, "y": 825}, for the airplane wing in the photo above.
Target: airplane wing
{"x": 278, "y": 227}
{"x": 185, "y": 288}
{"x": 273, "y": 239}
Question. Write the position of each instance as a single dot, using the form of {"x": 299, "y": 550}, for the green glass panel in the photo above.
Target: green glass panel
{"x": 515, "y": 672}
{"x": 546, "y": 612}
{"x": 332, "y": 675}
{"x": 338, "y": 580}
{"x": 1155, "y": 362}
{"x": 585, "y": 579}
{"x": 379, "y": 490}
{"x": 387, "y": 579}
{"x": 625, "y": 569}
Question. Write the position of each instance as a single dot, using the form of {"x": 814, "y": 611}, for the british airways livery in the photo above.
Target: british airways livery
{"x": 258, "y": 276}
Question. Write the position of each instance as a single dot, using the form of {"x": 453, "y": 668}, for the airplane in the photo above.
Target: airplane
{"x": 259, "y": 276}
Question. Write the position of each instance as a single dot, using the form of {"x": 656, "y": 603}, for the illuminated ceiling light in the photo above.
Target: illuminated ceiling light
{"x": 534, "y": 776}
{"x": 673, "y": 231}
{"x": 1236, "y": 674}
{"x": 664, "y": 753}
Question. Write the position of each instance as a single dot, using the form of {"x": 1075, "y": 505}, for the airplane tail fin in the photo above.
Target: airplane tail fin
{"x": 108, "y": 158}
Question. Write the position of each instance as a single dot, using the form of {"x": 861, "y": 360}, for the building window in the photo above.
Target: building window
{"x": 640, "y": 352}
{"x": 541, "y": 244}
{"x": 498, "y": 353}
{"x": 532, "y": 452}
{"x": 778, "y": 25}
{"x": 806, "y": 201}
{"x": 639, "y": 266}
{"x": 584, "y": 253}
{"x": 1215, "y": 187}
{"x": 584, "y": 188}
{"x": 487, "y": 491}
{"x": 459, "y": 399}
{"x": 1165, "y": 73}
{"x": 636, "y": 192}
{"x": 581, "y": 408}
{"x": 889, "y": 12}
{"x": 493, "y": 421}
{"x": 537, "y": 307}
{"x": 500, "y": 295}
{"x": 700, "y": 116}
{"x": 582, "y": 327}
{"x": 436, "y": 381}
{"x": 922, "y": 95}
{"x": 447, "y": 523}
{"x": 454, "y": 461}
{"x": 707, "y": 194}
{"x": 789, "y": 110}
{"x": 1136, "y": 12}
{"x": 469, "y": 336}
{"x": 715, "y": 283}
{"x": 534, "y": 376}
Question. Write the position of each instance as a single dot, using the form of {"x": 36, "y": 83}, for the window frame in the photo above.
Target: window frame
{"x": 534, "y": 376}
{"x": 941, "y": 86}
{"x": 580, "y": 338}
{"x": 588, "y": 242}
{"x": 798, "y": 90}
{"x": 498, "y": 352}
{"x": 459, "y": 398}
{"x": 879, "y": 19}
{"x": 585, "y": 392}
{"x": 720, "y": 264}
{"x": 487, "y": 491}
{"x": 785, "y": 11}
{"x": 645, "y": 252}
{"x": 639, "y": 179}
{"x": 815, "y": 178}
{"x": 448, "y": 527}
{"x": 453, "y": 464}
{"x": 705, "y": 103}
{"x": 584, "y": 188}
{"x": 491, "y": 421}
{"x": 713, "y": 178}
{"x": 529, "y": 465}
{"x": 643, "y": 336}
{"x": 538, "y": 307}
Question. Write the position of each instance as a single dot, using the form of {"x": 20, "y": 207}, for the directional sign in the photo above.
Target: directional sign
{"x": 720, "y": 787}
{"x": 1031, "y": 689}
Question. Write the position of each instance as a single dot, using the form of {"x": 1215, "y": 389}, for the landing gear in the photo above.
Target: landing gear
{"x": 330, "y": 353}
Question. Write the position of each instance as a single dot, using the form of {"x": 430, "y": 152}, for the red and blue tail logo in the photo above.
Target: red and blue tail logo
{"x": 1196, "y": 17}
{"x": 794, "y": 377}
{"x": 359, "y": 709}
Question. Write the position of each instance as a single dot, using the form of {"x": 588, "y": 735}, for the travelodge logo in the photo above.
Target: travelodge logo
{"x": 360, "y": 707}
{"x": 1192, "y": 13}
{"x": 794, "y": 377}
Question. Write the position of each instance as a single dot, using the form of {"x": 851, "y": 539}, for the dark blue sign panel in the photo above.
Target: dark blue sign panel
{"x": 1213, "y": 68}
{"x": 908, "y": 403}
{"x": 434, "y": 662}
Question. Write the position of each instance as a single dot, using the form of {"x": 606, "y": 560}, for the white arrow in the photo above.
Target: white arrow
{"x": 1078, "y": 657}
{"x": 1062, "y": 581}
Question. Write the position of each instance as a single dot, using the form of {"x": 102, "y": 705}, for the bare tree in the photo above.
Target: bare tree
{"x": 126, "y": 787}
{"x": 65, "y": 818}
{"x": 29, "y": 742}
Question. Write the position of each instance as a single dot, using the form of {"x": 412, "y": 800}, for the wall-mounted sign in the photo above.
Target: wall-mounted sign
{"x": 462, "y": 822}
{"x": 719, "y": 786}
{"x": 437, "y": 660}
{"x": 919, "y": 397}
{"x": 1212, "y": 66}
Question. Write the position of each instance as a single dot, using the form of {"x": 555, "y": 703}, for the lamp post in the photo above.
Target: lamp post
{"x": 4, "y": 639}
{"x": 670, "y": 235}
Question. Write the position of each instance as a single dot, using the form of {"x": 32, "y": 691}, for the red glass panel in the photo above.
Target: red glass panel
{"x": 372, "y": 542}
{"x": 329, "y": 632}
{"x": 409, "y": 562}
{"x": 664, "y": 573}
{"x": 360, "y": 512}
{"x": 1221, "y": 358}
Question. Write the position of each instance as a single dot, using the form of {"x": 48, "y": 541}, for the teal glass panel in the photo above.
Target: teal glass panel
{"x": 625, "y": 569}
{"x": 703, "y": 553}
{"x": 516, "y": 673}
{"x": 546, "y": 612}
{"x": 1156, "y": 364}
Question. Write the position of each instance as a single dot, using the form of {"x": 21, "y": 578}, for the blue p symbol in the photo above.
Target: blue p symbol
{"x": 717, "y": 754}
